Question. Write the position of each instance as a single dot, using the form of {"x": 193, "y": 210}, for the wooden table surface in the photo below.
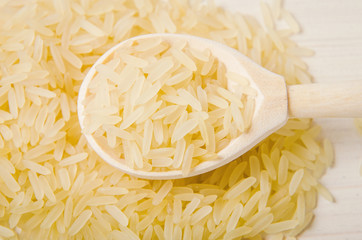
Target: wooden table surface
{"x": 333, "y": 28}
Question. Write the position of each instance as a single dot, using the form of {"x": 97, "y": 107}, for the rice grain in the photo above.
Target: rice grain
{"x": 54, "y": 186}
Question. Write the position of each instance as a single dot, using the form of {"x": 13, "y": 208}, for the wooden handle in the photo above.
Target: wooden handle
{"x": 318, "y": 100}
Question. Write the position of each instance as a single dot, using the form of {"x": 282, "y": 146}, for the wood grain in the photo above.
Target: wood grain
{"x": 325, "y": 100}
{"x": 333, "y": 28}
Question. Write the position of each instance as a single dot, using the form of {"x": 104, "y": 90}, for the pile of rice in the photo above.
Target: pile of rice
{"x": 163, "y": 105}
{"x": 53, "y": 186}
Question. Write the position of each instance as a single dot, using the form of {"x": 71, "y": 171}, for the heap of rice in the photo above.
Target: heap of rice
{"x": 53, "y": 186}
{"x": 164, "y": 105}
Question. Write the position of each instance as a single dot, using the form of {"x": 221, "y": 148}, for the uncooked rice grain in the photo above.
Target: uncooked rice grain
{"x": 53, "y": 186}
{"x": 6, "y": 232}
{"x": 295, "y": 181}
{"x": 79, "y": 222}
{"x": 117, "y": 214}
{"x": 164, "y": 78}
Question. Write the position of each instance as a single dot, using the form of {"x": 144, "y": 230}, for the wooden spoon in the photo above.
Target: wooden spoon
{"x": 275, "y": 103}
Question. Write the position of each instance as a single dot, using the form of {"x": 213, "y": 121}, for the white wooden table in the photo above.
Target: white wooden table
{"x": 333, "y": 28}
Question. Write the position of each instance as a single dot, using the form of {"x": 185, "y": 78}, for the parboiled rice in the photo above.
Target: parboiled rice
{"x": 170, "y": 78}
{"x": 57, "y": 188}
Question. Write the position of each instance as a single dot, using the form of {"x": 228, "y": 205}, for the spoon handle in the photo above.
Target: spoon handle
{"x": 320, "y": 100}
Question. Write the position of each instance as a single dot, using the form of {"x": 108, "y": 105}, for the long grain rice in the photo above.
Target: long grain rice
{"x": 6, "y": 232}
{"x": 117, "y": 214}
{"x": 79, "y": 222}
{"x": 156, "y": 74}
{"x": 295, "y": 181}
{"x": 54, "y": 186}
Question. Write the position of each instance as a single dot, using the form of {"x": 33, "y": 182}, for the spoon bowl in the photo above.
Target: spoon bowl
{"x": 271, "y": 104}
